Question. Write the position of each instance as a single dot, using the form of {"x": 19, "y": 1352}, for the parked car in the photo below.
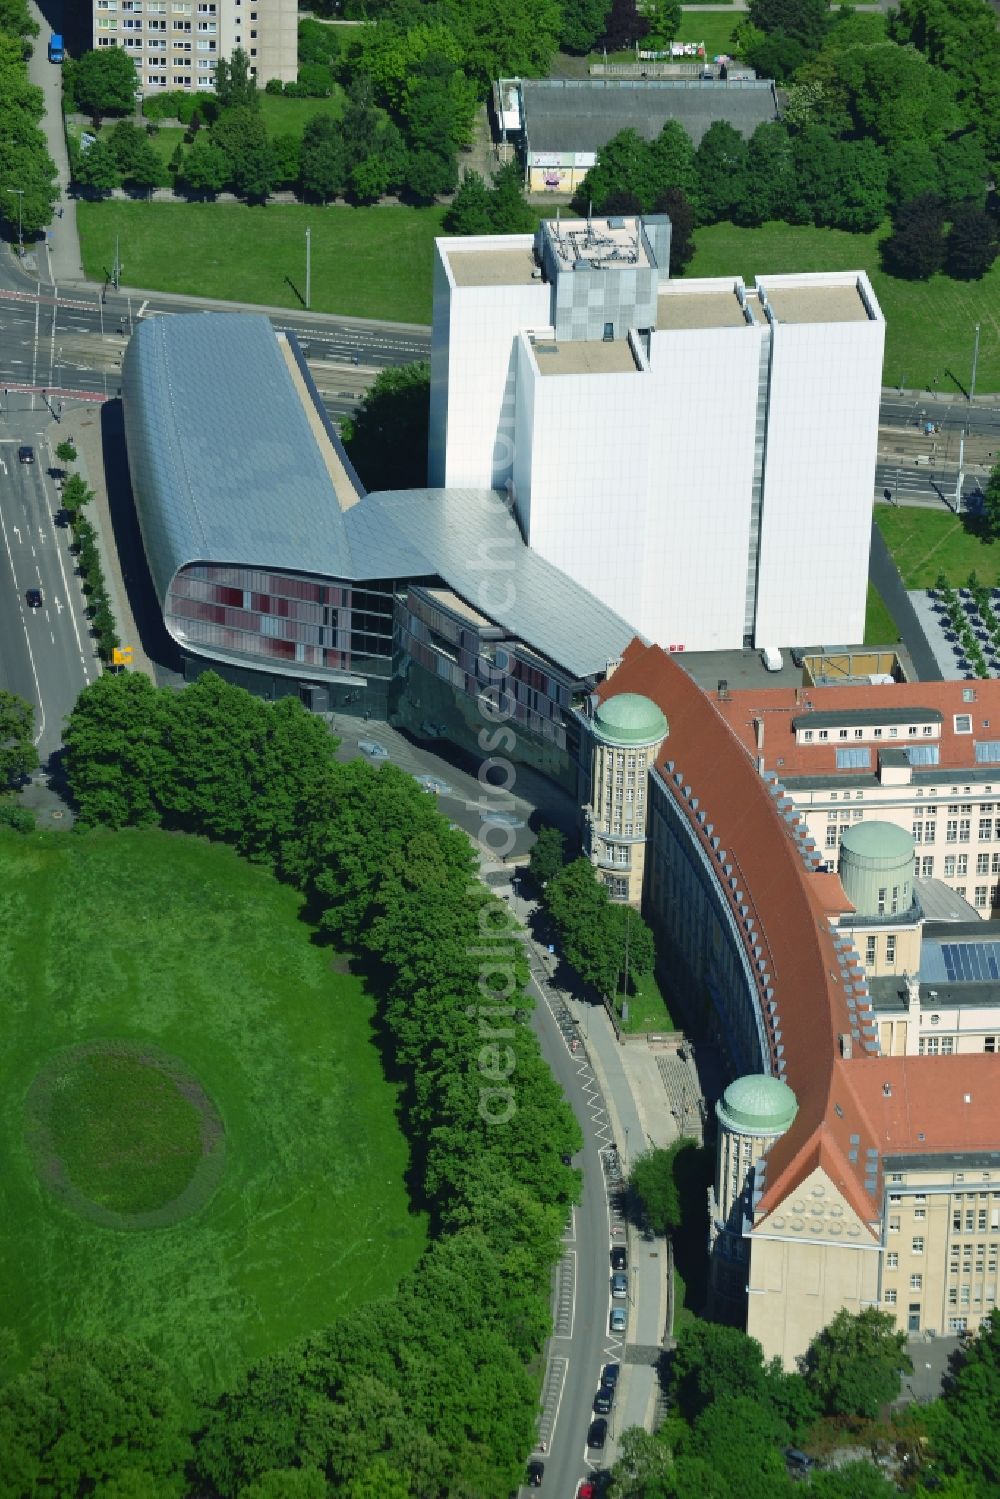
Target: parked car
{"x": 434, "y": 785}
{"x": 619, "y": 1257}
{"x": 34, "y": 598}
{"x": 26, "y": 454}
{"x": 618, "y": 1321}
{"x": 604, "y": 1400}
{"x": 798, "y": 1461}
{"x": 598, "y": 1434}
{"x": 373, "y": 749}
{"x": 536, "y": 1472}
{"x": 586, "y": 1489}
{"x": 619, "y": 1285}
{"x": 610, "y": 1373}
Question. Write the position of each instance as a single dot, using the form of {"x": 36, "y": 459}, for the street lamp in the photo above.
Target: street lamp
{"x": 20, "y": 235}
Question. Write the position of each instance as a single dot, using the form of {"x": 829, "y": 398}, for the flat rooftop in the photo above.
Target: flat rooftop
{"x": 489, "y": 267}
{"x": 585, "y": 357}
{"x": 694, "y": 309}
{"x": 614, "y": 242}
{"x": 816, "y": 304}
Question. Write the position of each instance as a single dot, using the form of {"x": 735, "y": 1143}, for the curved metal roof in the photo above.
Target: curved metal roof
{"x": 226, "y": 470}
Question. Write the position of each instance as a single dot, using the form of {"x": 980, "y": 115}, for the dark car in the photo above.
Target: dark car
{"x": 34, "y": 598}
{"x": 619, "y": 1257}
{"x": 598, "y": 1434}
{"x": 26, "y": 454}
{"x": 610, "y": 1373}
{"x": 798, "y": 1461}
{"x": 604, "y": 1400}
{"x": 536, "y": 1472}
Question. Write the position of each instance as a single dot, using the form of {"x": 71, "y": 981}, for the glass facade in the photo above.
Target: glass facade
{"x": 309, "y": 627}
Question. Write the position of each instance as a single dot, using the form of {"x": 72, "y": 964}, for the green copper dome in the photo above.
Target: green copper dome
{"x": 884, "y": 844}
{"x": 758, "y": 1105}
{"x": 631, "y": 719}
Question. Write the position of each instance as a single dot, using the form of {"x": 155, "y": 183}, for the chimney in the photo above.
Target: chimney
{"x": 758, "y": 729}
{"x": 846, "y": 1046}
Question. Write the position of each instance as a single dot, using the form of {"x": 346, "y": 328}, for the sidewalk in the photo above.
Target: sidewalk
{"x": 83, "y": 428}
{"x": 61, "y": 259}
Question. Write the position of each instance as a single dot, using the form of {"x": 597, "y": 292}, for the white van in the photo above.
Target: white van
{"x": 771, "y": 657}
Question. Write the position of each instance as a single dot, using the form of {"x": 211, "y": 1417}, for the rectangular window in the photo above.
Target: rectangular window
{"x": 951, "y": 830}
{"x": 964, "y": 830}
{"x": 894, "y": 1225}
{"x": 988, "y": 751}
{"x": 982, "y": 863}
{"x": 963, "y": 723}
{"x": 854, "y": 759}
{"x": 916, "y": 1282}
{"x": 949, "y": 866}
{"x": 918, "y": 832}
{"x": 871, "y": 944}
{"x": 831, "y": 836}
{"x": 989, "y": 1043}
{"x": 986, "y": 830}
{"x": 980, "y": 897}
{"x": 890, "y": 948}
{"x": 927, "y": 868}
{"x": 892, "y": 1260}
{"x": 890, "y": 1298}
{"x": 923, "y": 754}
{"x": 917, "y": 1245}
{"x": 963, "y": 865}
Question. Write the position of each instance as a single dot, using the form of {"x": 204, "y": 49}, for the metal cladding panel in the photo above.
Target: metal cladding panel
{"x": 468, "y": 538}
{"x": 225, "y": 467}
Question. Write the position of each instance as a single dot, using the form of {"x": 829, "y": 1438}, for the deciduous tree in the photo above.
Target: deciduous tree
{"x": 18, "y": 756}
{"x": 916, "y": 247}
{"x": 548, "y": 853}
{"x": 973, "y": 244}
{"x": 853, "y": 1366}
{"x": 721, "y": 163}
{"x": 206, "y": 167}
{"x": 803, "y": 21}
{"x": 105, "y": 82}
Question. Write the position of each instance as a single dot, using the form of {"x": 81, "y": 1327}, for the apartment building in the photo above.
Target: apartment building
{"x": 176, "y": 44}
{"x": 675, "y": 447}
{"x": 858, "y": 1164}
{"x": 921, "y": 755}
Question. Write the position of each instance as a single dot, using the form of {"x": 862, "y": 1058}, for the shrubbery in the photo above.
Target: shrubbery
{"x": 75, "y": 497}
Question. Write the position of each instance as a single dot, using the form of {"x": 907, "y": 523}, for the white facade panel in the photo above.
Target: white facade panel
{"x": 819, "y": 480}
{"x": 473, "y": 424}
{"x": 701, "y": 460}
{"x": 582, "y": 489}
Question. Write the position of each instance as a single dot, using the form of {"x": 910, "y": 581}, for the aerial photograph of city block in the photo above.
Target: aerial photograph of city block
{"x": 499, "y": 749}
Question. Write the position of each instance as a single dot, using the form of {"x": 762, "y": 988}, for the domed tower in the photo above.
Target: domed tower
{"x": 627, "y": 732}
{"x": 876, "y": 871}
{"x": 752, "y": 1113}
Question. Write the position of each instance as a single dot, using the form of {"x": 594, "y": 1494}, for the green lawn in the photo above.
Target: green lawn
{"x": 930, "y": 324}
{"x": 926, "y": 543}
{"x": 366, "y": 262}
{"x": 164, "y": 142}
{"x": 647, "y": 1009}
{"x": 285, "y": 116}
{"x": 174, "y": 943}
{"x": 711, "y": 27}
{"x": 880, "y": 627}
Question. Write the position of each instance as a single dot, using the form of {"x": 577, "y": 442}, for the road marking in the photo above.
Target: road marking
{"x": 142, "y": 309}
{"x": 24, "y": 623}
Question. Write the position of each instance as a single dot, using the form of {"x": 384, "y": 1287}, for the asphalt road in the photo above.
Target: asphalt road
{"x": 46, "y": 654}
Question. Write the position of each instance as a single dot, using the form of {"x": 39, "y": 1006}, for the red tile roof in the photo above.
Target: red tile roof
{"x": 838, "y": 1097}
{"x": 776, "y": 707}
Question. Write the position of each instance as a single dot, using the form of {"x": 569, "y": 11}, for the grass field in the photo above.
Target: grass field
{"x": 880, "y": 627}
{"x": 929, "y": 325}
{"x": 170, "y": 942}
{"x": 714, "y": 28}
{"x": 284, "y": 116}
{"x": 926, "y": 543}
{"x": 366, "y": 262}
{"x": 647, "y": 1009}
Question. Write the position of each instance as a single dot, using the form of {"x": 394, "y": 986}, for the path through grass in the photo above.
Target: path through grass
{"x": 926, "y": 543}
{"x": 171, "y": 941}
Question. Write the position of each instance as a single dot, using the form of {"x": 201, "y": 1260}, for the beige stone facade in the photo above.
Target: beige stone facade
{"x": 177, "y": 44}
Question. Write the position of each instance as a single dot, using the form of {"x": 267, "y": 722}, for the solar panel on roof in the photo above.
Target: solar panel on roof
{"x": 971, "y": 962}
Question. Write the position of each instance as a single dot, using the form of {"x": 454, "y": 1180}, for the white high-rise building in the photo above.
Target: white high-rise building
{"x": 699, "y": 454}
{"x": 176, "y": 44}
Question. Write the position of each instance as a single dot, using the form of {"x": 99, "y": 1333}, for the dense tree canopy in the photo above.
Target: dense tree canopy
{"x": 104, "y": 82}
{"x": 854, "y": 1365}
{"x": 24, "y": 158}
{"x": 18, "y": 756}
{"x": 386, "y": 438}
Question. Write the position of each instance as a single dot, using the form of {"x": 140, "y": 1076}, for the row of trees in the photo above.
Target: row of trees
{"x": 431, "y": 1393}
{"x": 75, "y": 498}
{"x": 27, "y": 172}
{"x": 608, "y": 944}
{"x": 873, "y": 124}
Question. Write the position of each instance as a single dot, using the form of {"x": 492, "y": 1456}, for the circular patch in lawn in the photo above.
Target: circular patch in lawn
{"x": 124, "y": 1134}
